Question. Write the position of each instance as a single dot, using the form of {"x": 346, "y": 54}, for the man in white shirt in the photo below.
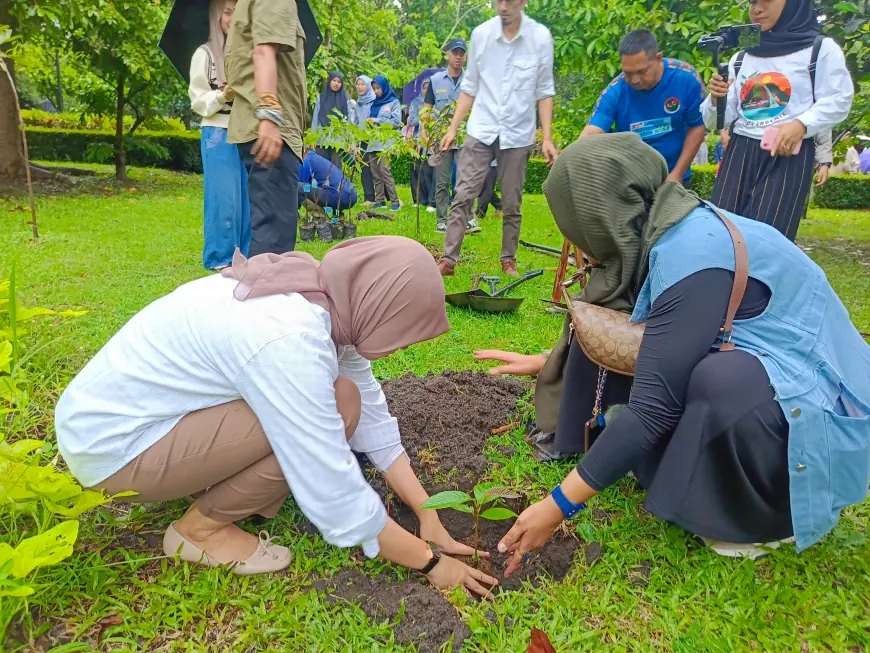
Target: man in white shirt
{"x": 510, "y": 69}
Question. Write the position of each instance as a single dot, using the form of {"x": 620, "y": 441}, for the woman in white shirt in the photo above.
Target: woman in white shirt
{"x": 227, "y": 212}
{"x": 774, "y": 90}
{"x": 230, "y": 390}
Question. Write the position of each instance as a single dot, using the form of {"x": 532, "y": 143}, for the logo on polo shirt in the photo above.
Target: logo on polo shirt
{"x": 672, "y": 105}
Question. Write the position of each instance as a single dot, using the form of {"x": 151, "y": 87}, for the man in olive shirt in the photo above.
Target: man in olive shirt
{"x": 265, "y": 66}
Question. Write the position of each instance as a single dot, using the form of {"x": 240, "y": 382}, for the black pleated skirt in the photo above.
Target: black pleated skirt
{"x": 756, "y": 185}
{"x": 723, "y": 472}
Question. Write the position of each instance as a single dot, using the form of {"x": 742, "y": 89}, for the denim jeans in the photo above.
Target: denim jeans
{"x": 227, "y": 212}
{"x": 274, "y": 213}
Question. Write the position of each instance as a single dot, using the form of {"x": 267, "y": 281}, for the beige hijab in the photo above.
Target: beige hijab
{"x": 382, "y": 293}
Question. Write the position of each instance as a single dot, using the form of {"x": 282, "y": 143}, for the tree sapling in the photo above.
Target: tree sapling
{"x": 483, "y": 494}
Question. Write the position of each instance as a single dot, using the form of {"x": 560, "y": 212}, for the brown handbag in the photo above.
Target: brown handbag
{"x": 608, "y": 338}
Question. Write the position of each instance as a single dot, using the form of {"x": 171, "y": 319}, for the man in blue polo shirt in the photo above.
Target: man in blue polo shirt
{"x": 659, "y": 99}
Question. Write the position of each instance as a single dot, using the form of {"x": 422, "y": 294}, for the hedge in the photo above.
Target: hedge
{"x": 172, "y": 150}
{"x": 180, "y": 151}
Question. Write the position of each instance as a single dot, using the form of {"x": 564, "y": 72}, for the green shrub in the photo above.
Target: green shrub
{"x": 703, "y": 178}
{"x": 91, "y": 122}
{"x": 844, "y": 192}
{"x": 179, "y": 150}
{"x": 172, "y": 150}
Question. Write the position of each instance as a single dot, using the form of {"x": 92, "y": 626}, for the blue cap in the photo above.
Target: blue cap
{"x": 456, "y": 44}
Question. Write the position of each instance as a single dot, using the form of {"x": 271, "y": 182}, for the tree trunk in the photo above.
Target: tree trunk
{"x": 120, "y": 154}
{"x": 59, "y": 80}
{"x": 11, "y": 150}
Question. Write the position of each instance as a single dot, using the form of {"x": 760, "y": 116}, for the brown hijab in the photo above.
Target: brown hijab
{"x": 382, "y": 293}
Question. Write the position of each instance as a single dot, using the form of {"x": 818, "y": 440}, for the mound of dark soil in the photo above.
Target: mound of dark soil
{"x": 553, "y": 560}
{"x": 446, "y": 419}
{"x": 428, "y": 620}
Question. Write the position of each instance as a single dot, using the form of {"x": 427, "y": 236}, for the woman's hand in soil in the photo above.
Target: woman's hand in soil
{"x": 517, "y": 364}
{"x": 434, "y": 531}
{"x": 532, "y": 530}
{"x": 450, "y": 573}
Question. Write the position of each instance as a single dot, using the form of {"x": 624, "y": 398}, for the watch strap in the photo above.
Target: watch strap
{"x": 434, "y": 560}
{"x": 568, "y": 509}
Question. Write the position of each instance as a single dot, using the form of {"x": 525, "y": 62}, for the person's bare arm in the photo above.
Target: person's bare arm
{"x": 591, "y": 130}
{"x": 266, "y": 68}
{"x": 545, "y": 112}
{"x": 401, "y": 547}
{"x": 402, "y": 479}
{"x": 267, "y": 149}
{"x": 694, "y": 137}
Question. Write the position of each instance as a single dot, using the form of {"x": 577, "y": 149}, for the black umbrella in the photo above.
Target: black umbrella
{"x": 187, "y": 29}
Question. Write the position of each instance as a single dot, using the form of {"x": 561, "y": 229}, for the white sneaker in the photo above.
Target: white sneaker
{"x": 472, "y": 227}
{"x": 440, "y": 228}
{"x": 430, "y": 209}
{"x": 751, "y": 551}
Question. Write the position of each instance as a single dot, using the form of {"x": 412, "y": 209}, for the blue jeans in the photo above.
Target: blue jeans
{"x": 227, "y": 212}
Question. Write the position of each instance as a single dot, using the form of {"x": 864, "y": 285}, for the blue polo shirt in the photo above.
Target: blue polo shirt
{"x": 662, "y": 116}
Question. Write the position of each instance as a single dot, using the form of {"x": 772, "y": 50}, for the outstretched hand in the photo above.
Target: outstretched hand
{"x": 517, "y": 364}
{"x": 532, "y": 530}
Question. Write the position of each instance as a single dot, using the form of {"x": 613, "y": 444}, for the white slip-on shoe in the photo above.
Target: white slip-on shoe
{"x": 736, "y": 550}
{"x": 267, "y": 558}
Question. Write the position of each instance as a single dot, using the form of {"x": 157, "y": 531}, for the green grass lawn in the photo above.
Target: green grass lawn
{"x": 112, "y": 250}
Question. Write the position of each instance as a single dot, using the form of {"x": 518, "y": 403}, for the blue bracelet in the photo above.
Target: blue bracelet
{"x": 568, "y": 509}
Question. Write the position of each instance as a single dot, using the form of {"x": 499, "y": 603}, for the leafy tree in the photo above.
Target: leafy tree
{"x": 117, "y": 40}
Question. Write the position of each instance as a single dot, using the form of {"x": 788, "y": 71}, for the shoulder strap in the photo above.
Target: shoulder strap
{"x": 212, "y": 81}
{"x": 738, "y": 62}
{"x": 814, "y": 60}
{"x": 741, "y": 278}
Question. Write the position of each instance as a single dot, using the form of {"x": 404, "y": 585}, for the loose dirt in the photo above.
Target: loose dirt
{"x": 446, "y": 420}
{"x": 429, "y": 620}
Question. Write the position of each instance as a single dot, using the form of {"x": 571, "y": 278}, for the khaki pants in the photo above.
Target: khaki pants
{"x": 383, "y": 177}
{"x": 221, "y": 456}
{"x": 474, "y": 165}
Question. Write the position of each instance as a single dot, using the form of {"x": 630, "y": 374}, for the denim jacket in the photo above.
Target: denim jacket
{"x": 818, "y": 364}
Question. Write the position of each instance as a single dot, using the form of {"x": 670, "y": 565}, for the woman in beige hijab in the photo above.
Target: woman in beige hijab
{"x": 242, "y": 388}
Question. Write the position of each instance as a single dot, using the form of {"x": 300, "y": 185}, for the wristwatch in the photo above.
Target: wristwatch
{"x": 435, "y": 558}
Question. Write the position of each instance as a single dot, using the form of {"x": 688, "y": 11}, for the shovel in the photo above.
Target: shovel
{"x": 463, "y": 299}
{"x": 498, "y": 303}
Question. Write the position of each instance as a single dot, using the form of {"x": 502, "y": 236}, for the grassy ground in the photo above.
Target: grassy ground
{"x": 111, "y": 249}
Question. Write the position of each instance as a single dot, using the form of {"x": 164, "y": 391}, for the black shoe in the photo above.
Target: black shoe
{"x": 545, "y": 449}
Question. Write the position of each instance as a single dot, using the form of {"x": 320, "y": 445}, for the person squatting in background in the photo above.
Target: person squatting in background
{"x": 226, "y": 210}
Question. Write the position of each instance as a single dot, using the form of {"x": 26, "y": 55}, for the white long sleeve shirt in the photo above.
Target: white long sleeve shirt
{"x": 199, "y": 347}
{"x": 507, "y": 79}
{"x": 771, "y": 90}
{"x": 204, "y": 100}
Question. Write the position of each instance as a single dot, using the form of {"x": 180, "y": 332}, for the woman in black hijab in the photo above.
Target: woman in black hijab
{"x": 334, "y": 101}
{"x": 777, "y": 102}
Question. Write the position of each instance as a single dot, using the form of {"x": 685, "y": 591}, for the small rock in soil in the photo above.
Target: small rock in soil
{"x": 640, "y": 575}
{"x": 593, "y": 553}
{"x": 429, "y": 619}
